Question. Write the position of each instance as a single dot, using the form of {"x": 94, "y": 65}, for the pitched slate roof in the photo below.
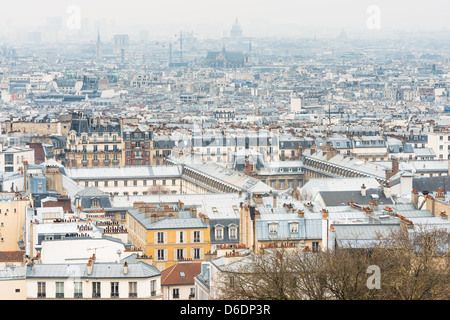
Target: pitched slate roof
{"x": 99, "y": 270}
{"x": 336, "y": 198}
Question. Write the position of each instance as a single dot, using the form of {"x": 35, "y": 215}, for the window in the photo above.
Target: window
{"x": 293, "y": 227}
{"x": 181, "y": 237}
{"x": 132, "y": 289}
{"x": 315, "y": 246}
{"x": 160, "y": 237}
{"x": 9, "y": 159}
{"x": 180, "y": 254}
{"x": 95, "y": 148}
{"x": 95, "y": 203}
{"x": 86, "y": 183}
{"x": 95, "y": 289}
{"x": 78, "y": 291}
{"x": 134, "y": 182}
{"x": 59, "y": 289}
{"x": 114, "y": 289}
{"x": 218, "y": 233}
{"x": 233, "y": 232}
{"x": 105, "y": 183}
{"x": 41, "y": 290}
{"x": 273, "y": 228}
{"x": 116, "y": 183}
{"x": 197, "y": 253}
{"x": 196, "y": 236}
{"x": 173, "y": 182}
{"x": 153, "y": 288}
{"x": 160, "y": 253}
{"x": 176, "y": 293}
{"x": 144, "y": 182}
{"x": 125, "y": 183}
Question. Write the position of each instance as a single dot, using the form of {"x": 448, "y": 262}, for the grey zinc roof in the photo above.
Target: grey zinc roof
{"x": 361, "y": 235}
{"x": 227, "y": 176}
{"x": 167, "y": 223}
{"x": 128, "y": 172}
{"x": 99, "y": 270}
{"x": 336, "y": 198}
{"x": 12, "y": 273}
{"x": 367, "y": 168}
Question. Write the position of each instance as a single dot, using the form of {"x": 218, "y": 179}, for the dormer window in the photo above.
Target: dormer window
{"x": 232, "y": 230}
{"x": 273, "y": 228}
{"x": 293, "y": 227}
{"x": 218, "y": 232}
{"x": 95, "y": 203}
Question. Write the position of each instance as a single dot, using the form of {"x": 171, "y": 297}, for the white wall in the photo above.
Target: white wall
{"x": 80, "y": 250}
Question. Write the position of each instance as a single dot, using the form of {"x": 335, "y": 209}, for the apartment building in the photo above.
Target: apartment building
{"x": 12, "y": 158}
{"x": 439, "y": 142}
{"x": 93, "y": 280}
{"x": 168, "y": 233}
{"x": 93, "y": 143}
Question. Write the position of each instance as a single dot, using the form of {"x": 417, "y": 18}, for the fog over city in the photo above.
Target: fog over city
{"x": 238, "y": 150}
{"x": 213, "y": 18}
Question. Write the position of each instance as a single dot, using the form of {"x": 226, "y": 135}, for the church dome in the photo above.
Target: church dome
{"x": 236, "y": 30}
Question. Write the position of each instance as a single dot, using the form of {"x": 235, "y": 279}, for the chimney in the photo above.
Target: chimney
{"x": 194, "y": 213}
{"x": 205, "y": 219}
{"x": 90, "y": 266}
{"x": 300, "y": 213}
{"x": 363, "y": 190}
{"x": 181, "y": 205}
{"x": 387, "y": 190}
{"x": 248, "y": 168}
{"x": 125, "y": 268}
{"x": 440, "y": 194}
{"x": 415, "y": 198}
{"x": 274, "y": 201}
{"x": 395, "y": 165}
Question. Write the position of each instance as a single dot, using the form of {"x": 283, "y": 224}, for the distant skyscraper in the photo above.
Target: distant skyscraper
{"x": 99, "y": 47}
{"x": 236, "y": 30}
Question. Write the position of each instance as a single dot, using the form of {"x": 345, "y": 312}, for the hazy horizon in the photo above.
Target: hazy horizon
{"x": 215, "y": 19}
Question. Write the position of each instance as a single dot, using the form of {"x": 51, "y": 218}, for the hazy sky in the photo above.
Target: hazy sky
{"x": 218, "y": 16}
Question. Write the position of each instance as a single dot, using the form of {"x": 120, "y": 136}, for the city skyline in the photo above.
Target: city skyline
{"x": 206, "y": 19}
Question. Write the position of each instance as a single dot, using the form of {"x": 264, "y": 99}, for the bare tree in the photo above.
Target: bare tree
{"x": 414, "y": 265}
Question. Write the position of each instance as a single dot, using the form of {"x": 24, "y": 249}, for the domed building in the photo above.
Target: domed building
{"x": 236, "y": 30}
